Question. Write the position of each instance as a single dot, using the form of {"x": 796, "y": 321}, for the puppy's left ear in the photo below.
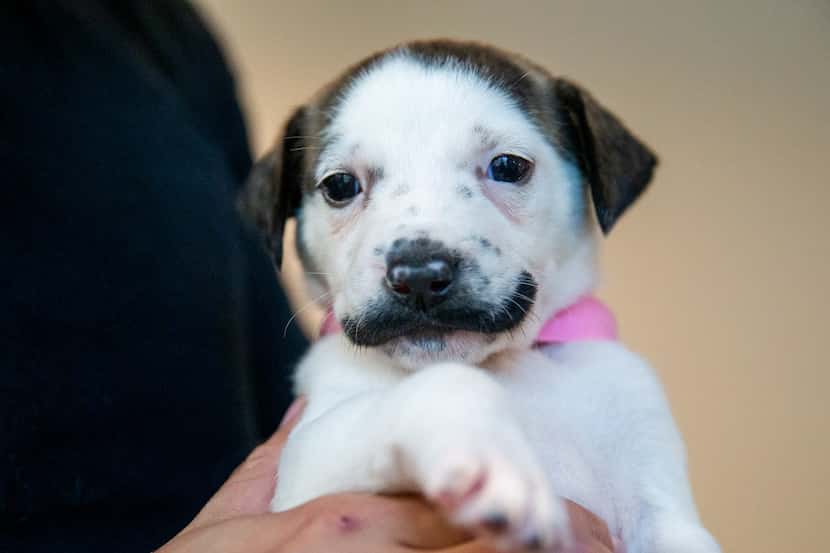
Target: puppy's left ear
{"x": 274, "y": 188}
{"x": 617, "y": 165}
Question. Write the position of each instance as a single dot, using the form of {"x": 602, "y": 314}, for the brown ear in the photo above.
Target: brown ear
{"x": 274, "y": 188}
{"x": 617, "y": 165}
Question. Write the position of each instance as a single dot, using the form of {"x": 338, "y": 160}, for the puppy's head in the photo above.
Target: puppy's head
{"x": 444, "y": 193}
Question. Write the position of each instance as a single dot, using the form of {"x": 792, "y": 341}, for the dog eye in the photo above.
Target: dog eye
{"x": 339, "y": 188}
{"x": 508, "y": 168}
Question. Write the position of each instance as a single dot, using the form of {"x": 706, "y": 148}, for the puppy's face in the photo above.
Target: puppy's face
{"x": 441, "y": 213}
{"x": 443, "y": 193}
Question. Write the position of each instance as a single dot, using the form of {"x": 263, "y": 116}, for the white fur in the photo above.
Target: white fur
{"x": 586, "y": 421}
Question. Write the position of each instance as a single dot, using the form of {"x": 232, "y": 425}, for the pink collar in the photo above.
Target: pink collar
{"x": 587, "y": 319}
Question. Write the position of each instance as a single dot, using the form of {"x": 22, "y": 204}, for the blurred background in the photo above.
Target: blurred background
{"x": 719, "y": 275}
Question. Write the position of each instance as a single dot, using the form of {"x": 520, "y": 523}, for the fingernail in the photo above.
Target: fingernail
{"x": 293, "y": 411}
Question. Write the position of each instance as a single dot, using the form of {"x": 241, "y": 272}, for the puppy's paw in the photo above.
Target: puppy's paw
{"x": 496, "y": 494}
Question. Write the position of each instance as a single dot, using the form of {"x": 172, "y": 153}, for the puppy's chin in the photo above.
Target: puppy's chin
{"x": 421, "y": 349}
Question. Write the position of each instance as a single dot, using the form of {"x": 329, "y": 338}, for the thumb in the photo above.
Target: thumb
{"x": 250, "y": 487}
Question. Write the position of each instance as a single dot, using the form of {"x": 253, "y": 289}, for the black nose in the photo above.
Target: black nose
{"x": 419, "y": 273}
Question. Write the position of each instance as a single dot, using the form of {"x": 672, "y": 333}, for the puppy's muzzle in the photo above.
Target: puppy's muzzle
{"x": 430, "y": 290}
{"x": 420, "y": 273}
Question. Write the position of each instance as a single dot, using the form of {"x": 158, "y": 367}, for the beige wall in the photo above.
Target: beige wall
{"x": 719, "y": 275}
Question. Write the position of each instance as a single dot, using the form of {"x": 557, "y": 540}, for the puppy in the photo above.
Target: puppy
{"x": 446, "y": 196}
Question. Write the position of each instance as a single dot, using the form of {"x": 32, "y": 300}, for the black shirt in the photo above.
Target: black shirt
{"x": 141, "y": 326}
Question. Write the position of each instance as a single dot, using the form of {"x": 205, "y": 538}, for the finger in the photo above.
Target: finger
{"x": 474, "y": 546}
{"x": 244, "y": 534}
{"x": 408, "y": 521}
{"x": 289, "y": 420}
{"x": 589, "y": 531}
{"x": 250, "y": 487}
{"x": 415, "y": 523}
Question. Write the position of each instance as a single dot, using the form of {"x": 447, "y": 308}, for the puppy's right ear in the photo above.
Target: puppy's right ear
{"x": 274, "y": 188}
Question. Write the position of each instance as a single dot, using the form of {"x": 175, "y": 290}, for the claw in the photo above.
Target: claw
{"x": 533, "y": 543}
{"x": 495, "y": 522}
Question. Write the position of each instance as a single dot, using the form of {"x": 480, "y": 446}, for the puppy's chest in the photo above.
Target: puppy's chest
{"x": 566, "y": 415}
{"x": 570, "y": 405}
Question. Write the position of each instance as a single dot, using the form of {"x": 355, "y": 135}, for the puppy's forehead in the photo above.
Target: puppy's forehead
{"x": 401, "y": 93}
{"x": 430, "y": 90}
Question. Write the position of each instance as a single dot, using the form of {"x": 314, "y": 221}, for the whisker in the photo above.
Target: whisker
{"x": 527, "y": 313}
{"x": 506, "y": 312}
{"x": 359, "y": 322}
{"x": 527, "y": 280}
{"x": 510, "y": 330}
{"x": 517, "y": 304}
{"x": 307, "y": 305}
{"x": 523, "y": 297}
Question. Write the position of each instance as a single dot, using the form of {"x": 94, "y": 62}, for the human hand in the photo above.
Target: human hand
{"x": 236, "y": 519}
